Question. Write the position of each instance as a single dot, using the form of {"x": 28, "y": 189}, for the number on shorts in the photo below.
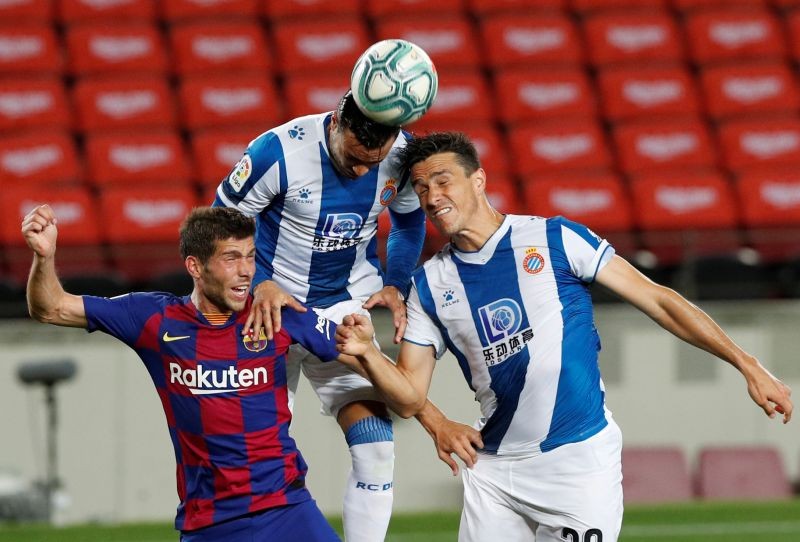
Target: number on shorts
{"x": 571, "y": 535}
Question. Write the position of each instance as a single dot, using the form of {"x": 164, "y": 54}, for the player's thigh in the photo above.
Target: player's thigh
{"x": 489, "y": 515}
{"x": 577, "y": 490}
{"x": 303, "y": 521}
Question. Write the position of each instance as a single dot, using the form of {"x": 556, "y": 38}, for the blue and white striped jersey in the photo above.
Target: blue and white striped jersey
{"x": 517, "y": 315}
{"x": 316, "y": 233}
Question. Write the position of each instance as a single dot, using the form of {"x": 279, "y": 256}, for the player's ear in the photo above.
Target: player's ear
{"x": 193, "y": 266}
{"x": 479, "y": 180}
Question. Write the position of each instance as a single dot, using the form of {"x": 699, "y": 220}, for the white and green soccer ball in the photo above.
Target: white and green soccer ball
{"x": 394, "y": 82}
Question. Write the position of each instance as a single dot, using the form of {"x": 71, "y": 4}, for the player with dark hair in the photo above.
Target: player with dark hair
{"x": 509, "y": 297}
{"x": 317, "y": 185}
{"x": 240, "y": 476}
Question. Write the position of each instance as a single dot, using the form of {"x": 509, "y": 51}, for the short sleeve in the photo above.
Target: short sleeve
{"x": 122, "y": 317}
{"x": 314, "y": 332}
{"x": 586, "y": 251}
{"x": 421, "y": 329}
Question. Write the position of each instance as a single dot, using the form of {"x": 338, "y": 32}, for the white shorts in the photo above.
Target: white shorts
{"x": 335, "y": 384}
{"x": 572, "y": 493}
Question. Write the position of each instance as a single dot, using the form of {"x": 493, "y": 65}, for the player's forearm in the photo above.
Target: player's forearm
{"x": 44, "y": 291}
{"x": 430, "y": 417}
{"x": 396, "y": 389}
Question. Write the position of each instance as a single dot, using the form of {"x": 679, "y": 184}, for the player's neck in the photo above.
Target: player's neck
{"x": 213, "y": 313}
{"x": 479, "y": 230}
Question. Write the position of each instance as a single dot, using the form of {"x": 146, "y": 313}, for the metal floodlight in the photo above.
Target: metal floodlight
{"x": 48, "y": 373}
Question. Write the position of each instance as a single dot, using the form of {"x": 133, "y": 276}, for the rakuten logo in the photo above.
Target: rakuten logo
{"x": 117, "y": 49}
{"x": 203, "y": 381}
{"x": 436, "y": 42}
{"x": 120, "y": 105}
{"x": 652, "y": 93}
{"x": 20, "y": 104}
{"x": 632, "y": 39}
{"x": 68, "y": 212}
{"x": 560, "y": 148}
{"x": 454, "y": 98}
{"x": 324, "y": 98}
{"x": 738, "y": 34}
{"x": 140, "y": 157}
{"x": 581, "y": 201}
{"x": 781, "y": 195}
{"x": 228, "y": 153}
{"x": 529, "y": 41}
{"x": 149, "y": 213}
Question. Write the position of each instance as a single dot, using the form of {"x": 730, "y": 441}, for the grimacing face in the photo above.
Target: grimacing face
{"x": 349, "y": 157}
{"x": 446, "y": 193}
{"x": 226, "y": 277}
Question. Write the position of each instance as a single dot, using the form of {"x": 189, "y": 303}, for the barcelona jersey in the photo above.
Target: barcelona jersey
{"x": 224, "y": 396}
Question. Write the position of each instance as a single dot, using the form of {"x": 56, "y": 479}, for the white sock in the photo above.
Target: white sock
{"x": 369, "y": 493}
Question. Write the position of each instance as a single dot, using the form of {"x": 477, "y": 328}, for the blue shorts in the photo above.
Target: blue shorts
{"x": 302, "y": 521}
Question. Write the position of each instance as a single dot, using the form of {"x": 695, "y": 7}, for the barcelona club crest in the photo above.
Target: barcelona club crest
{"x": 256, "y": 345}
{"x": 389, "y": 192}
{"x": 533, "y": 262}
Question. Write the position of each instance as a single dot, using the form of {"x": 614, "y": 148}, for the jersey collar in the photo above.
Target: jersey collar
{"x": 485, "y": 253}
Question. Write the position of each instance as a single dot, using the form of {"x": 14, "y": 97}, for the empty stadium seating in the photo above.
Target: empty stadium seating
{"x": 655, "y": 474}
{"x": 577, "y": 107}
{"x": 737, "y": 473}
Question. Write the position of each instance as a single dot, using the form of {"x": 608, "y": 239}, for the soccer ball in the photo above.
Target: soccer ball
{"x": 394, "y": 82}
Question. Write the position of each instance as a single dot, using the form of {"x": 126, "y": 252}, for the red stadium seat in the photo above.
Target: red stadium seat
{"x": 224, "y": 101}
{"x": 319, "y": 46}
{"x": 204, "y": 47}
{"x": 688, "y": 5}
{"x": 618, "y": 37}
{"x": 769, "y": 199}
{"x": 504, "y": 196}
{"x": 792, "y": 21}
{"x": 174, "y": 10}
{"x": 137, "y": 159}
{"x": 26, "y": 10}
{"x": 491, "y": 149}
{"x": 747, "y": 89}
{"x": 485, "y": 7}
{"x": 655, "y": 146}
{"x": 528, "y": 95}
{"x": 33, "y": 103}
{"x": 748, "y": 143}
{"x": 28, "y": 48}
{"x": 279, "y": 9}
{"x": 647, "y": 92}
{"x": 463, "y": 97}
{"x": 37, "y": 157}
{"x": 141, "y": 225}
{"x": 306, "y": 94}
{"x": 742, "y": 473}
{"x": 515, "y": 39}
{"x": 73, "y": 11}
{"x": 102, "y": 48}
{"x": 655, "y": 474}
{"x": 731, "y": 34}
{"x": 592, "y": 5}
{"x": 425, "y": 8}
{"x": 79, "y": 248}
{"x": 598, "y": 201}
{"x": 555, "y": 147}
{"x": 448, "y": 40}
{"x": 108, "y": 104}
{"x": 215, "y": 152}
{"x": 683, "y": 215}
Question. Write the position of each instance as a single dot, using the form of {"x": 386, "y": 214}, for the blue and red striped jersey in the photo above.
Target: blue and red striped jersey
{"x": 224, "y": 396}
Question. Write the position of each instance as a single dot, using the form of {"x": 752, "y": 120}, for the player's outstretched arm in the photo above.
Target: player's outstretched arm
{"x": 685, "y": 320}
{"x": 268, "y": 300}
{"x": 450, "y": 437}
{"x": 404, "y": 387}
{"x": 391, "y": 298}
{"x": 47, "y": 300}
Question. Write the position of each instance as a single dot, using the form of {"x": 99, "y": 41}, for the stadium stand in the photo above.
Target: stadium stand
{"x": 587, "y": 108}
{"x": 731, "y": 472}
{"x": 655, "y": 474}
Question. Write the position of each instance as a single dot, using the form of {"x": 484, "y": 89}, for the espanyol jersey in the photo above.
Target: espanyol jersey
{"x": 517, "y": 315}
{"x": 316, "y": 229}
{"x": 225, "y": 399}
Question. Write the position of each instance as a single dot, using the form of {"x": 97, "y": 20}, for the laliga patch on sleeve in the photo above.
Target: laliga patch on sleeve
{"x": 241, "y": 173}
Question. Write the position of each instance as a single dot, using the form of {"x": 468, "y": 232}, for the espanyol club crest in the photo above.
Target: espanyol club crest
{"x": 533, "y": 262}
{"x": 255, "y": 345}
{"x": 389, "y": 192}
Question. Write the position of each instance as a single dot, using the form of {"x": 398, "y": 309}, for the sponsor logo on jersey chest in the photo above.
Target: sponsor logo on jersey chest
{"x": 533, "y": 262}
